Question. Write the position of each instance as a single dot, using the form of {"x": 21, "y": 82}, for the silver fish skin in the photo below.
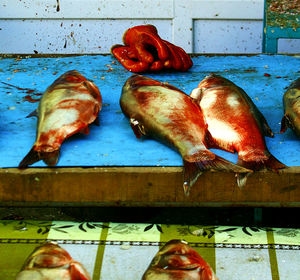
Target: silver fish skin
{"x": 176, "y": 260}
{"x": 291, "y": 105}
{"x": 67, "y": 107}
{"x": 235, "y": 124}
{"x": 169, "y": 115}
{"x": 51, "y": 262}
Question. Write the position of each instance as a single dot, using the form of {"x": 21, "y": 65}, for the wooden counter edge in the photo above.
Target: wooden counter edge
{"x": 144, "y": 186}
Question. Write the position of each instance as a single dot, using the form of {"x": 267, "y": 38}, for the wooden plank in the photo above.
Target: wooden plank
{"x": 144, "y": 186}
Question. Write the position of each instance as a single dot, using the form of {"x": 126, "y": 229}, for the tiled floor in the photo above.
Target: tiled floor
{"x": 124, "y": 250}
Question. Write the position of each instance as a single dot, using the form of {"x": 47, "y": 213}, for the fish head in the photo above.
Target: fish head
{"x": 50, "y": 261}
{"x": 48, "y": 255}
{"x": 178, "y": 259}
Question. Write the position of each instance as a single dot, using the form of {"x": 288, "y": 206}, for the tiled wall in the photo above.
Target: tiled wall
{"x": 93, "y": 26}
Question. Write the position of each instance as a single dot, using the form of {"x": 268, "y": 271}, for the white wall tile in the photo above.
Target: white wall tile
{"x": 69, "y": 36}
{"x": 198, "y": 26}
{"x": 227, "y": 36}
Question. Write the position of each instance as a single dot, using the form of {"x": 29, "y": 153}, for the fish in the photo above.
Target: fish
{"x": 67, "y": 107}
{"x": 291, "y": 104}
{"x": 177, "y": 260}
{"x": 235, "y": 124}
{"x": 51, "y": 262}
{"x": 169, "y": 115}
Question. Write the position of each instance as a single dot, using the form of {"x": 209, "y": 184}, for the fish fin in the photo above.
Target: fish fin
{"x": 92, "y": 88}
{"x": 212, "y": 144}
{"x": 285, "y": 123}
{"x": 210, "y": 141}
{"x": 192, "y": 170}
{"x": 267, "y": 131}
{"x": 137, "y": 128}
{"x": 85, "y": 130}
{"x": 271, "y": 163}
{"x": 50, "y": 158}
{"x": 33, "y": 114}
{"x": 97, "y": 121}
{"x": 241, "y": 179}
{"x": 32, "y": 157}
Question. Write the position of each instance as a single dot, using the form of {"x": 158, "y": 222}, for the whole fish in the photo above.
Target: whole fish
{"x": 235, "y": 124}
{"x": 291, "y": 104}
{"x": 67, "y": 107}
{"x": 51, "y": 262}
{"x": 166, "y": 113}
{"x": 178, "y": 261}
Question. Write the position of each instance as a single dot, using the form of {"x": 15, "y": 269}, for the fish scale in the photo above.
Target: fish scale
{"x": 235, "y": 124}
{"x": 169, "y": 115}
{"x": 68, "y": 106}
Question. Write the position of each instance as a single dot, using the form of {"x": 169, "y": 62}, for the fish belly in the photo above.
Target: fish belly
{"x": 231, "y": 123}
{"x": 64, "y": 116}
{"x": 167, "y": 115}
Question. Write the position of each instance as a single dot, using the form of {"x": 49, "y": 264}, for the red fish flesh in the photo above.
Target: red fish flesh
{"x": 166, "y": 113}
{"x": 291, "y": 104}
{"x": 178, "y": 261}
{"x": 67, "y": 107}
{"x": 235, "y": 123}
{"x": 51, "y": 262}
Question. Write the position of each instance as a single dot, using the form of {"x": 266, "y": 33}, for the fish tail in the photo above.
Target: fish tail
{"x": 50, "y": 158}
{"x": 32, "y": 157}
{"x": 271, "y": 163}
{"x": 241, "y": 179}
{"x": 192, "y": 170}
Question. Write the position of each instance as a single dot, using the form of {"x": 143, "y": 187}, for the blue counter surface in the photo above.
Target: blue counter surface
{"x": 263, "y": 77}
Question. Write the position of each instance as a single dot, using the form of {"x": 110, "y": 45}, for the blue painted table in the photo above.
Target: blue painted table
{"x": 111, "y": 150}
